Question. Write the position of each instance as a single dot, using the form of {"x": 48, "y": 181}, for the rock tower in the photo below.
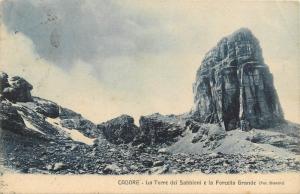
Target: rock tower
{"x": 234, "y": 86}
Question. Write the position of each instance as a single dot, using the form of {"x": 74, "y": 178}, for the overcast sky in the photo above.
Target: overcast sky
{"x": 106, "y": 58}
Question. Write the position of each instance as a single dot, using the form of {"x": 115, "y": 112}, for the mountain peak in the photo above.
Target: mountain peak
{"x": 234, "y": 86}
{"x": 246, "y": 32}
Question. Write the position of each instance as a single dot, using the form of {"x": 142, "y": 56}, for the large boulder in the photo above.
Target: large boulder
{"x": 10, "y": 119}
{"x": 157, "y": 128}
{"x": 234, "y": 86}
{"x": 16, "y": 90}
{"x": 119, "y": 130}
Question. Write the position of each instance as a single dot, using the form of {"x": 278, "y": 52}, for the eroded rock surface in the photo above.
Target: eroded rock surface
{"x": 9, "y": 118}
{"x": 234, "y": 86}
{"x": 15, "y": 89}
{"x": 119, "y": 130}
{"x": 47, "y": 108}
{"x": 157, "y": 128}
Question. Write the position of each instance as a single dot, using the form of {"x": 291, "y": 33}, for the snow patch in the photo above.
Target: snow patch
{"x": 29, "y": 124}
{"x": 29, "y": 105}
{"x": 72, "y": 133}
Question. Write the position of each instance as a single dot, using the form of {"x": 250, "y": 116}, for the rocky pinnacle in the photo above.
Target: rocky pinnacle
{"x": 234, "y": 86}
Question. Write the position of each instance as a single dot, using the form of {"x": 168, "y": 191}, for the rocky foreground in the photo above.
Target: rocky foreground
{"x": 33, "y": 142}
{"x": 70, "y": 158}
{"x": 235, "y": 126}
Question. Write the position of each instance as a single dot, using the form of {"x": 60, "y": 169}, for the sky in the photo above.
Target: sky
{"x": 107, "y": 58}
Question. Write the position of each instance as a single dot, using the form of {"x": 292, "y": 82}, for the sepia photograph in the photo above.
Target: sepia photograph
{"x": 163, "y": 96}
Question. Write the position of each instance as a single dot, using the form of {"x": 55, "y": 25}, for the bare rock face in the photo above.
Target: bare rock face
{"x": 119, "y": 130}
{"x": 10, "y": 119}
{"x": 15, "y": 89}
{"x": 234, "y": 86}
{"x": 47, "y": 108}
{"x": 157, "y": 128}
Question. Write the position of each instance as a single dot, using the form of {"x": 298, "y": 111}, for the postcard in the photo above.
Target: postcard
{"x": 149, "y": 96}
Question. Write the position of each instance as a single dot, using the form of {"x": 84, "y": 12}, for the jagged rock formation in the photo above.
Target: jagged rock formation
{"x": 18, "y": 107}
{"x": 119, "y": 130}
{"x": 15, "y": 89}
{"x": 157, "y": 128}
{"x": 48, "y": 108}
{"x": 234, "y": 86}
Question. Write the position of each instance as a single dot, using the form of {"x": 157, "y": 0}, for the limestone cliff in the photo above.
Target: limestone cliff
{"x": 234, "y": 86}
